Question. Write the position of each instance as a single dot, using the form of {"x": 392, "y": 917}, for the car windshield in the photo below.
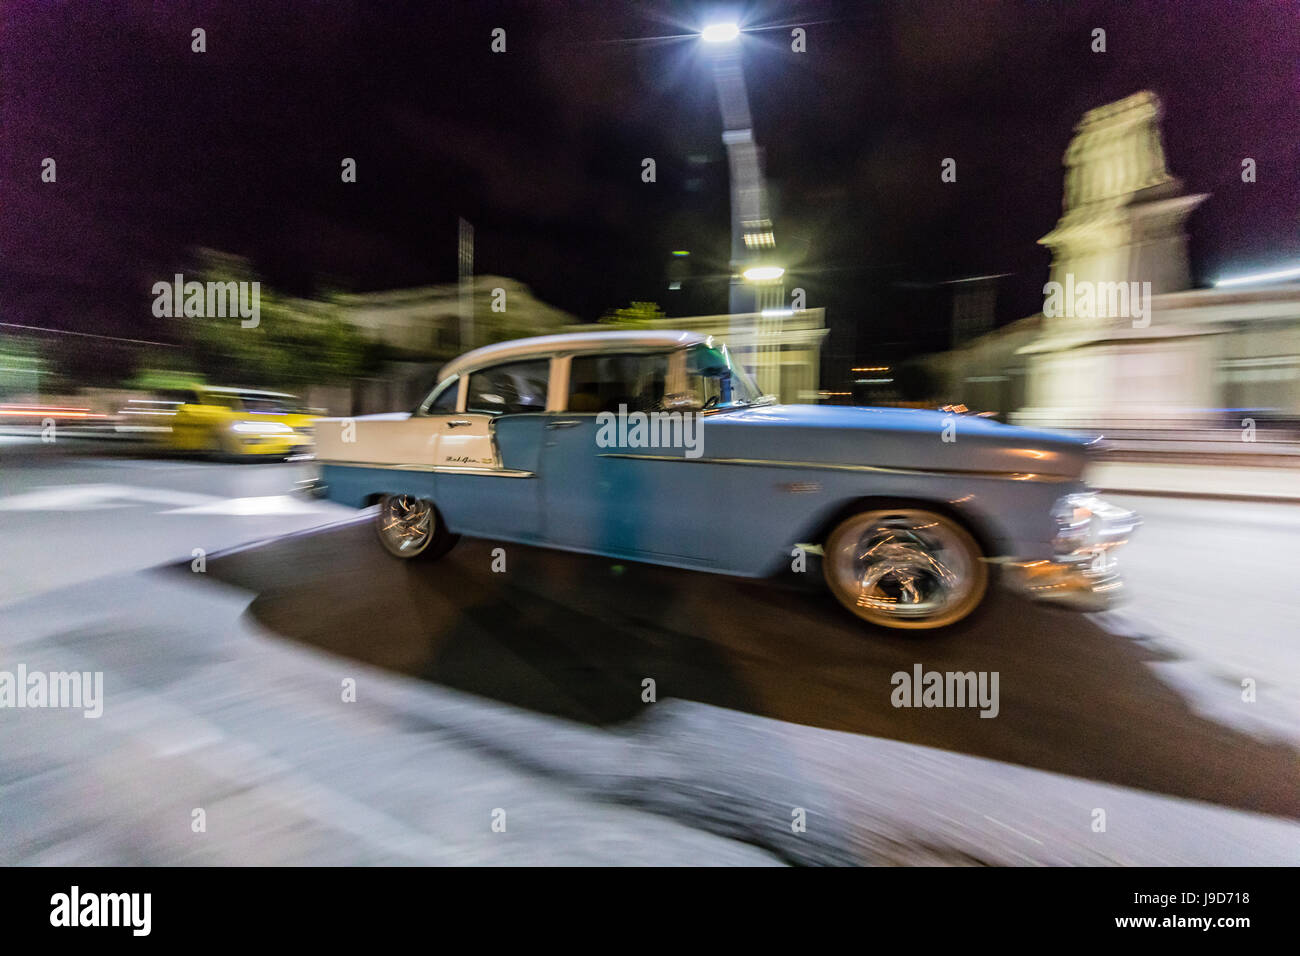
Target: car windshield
{"x": 713, "y": 380}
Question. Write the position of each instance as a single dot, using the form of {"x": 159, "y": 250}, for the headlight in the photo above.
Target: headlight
{"x": 1086, "y": 524}
{"x": 262, "y": 428}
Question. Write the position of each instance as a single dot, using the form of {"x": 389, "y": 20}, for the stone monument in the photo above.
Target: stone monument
{"x": 1118, "y": 248}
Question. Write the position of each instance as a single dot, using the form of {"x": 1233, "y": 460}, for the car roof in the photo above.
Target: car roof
{"x": 570, "y": 343}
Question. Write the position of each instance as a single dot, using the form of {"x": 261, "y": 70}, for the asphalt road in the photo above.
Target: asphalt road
{"x": 76, "y": 510}
{"x": 1148, "y": 697}
{"x": 575, "y": 637}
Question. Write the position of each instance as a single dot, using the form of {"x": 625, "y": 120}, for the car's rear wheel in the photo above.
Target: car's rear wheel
{"x": 905, "y": 568}
{"x": 410, "y": 527}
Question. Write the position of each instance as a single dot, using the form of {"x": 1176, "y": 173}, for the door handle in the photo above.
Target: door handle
{"x": 563, "y": 423}
{"x": 457, "y": 423}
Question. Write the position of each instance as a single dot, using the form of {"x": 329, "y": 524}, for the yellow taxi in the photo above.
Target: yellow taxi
{"x": 237, "y": 422}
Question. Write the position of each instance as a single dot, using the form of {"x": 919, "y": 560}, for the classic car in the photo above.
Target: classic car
{"x": 656, "y": 446}
{"x": 235, "y": 423}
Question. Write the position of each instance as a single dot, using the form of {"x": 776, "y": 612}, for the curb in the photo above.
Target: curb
{"x": 1202, "y": 495}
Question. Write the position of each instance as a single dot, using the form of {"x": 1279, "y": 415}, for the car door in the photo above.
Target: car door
{"x": 488, "y": 451}
{"x": 189, "y": 427}
{"x": 204, "y": 423}
{"x": 401, "y": 441}
{"x": 599, "y": 495}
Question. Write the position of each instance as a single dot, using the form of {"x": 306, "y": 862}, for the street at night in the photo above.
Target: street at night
{"x": 594, "y": 435}
{"x": 767, "y": 693}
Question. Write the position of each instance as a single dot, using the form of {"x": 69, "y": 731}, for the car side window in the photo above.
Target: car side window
{"x": 444, "y": 402}
{"x": 510, "y": 388}
{"x": 601, "y": 383}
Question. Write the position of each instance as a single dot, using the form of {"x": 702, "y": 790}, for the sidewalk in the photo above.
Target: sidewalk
{"x": 1233, "y": 482}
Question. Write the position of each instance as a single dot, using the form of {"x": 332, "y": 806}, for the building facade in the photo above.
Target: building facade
{"x": 442, "y": 321}
{"x": 1123, "y": 342}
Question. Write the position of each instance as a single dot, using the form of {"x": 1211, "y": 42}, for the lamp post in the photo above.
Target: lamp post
{"x": 751, "y": 227}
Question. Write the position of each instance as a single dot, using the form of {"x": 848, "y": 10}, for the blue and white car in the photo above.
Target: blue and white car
{"x": 656, "y": 446}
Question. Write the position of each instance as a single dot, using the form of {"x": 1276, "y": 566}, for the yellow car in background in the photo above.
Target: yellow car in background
{"x": 238, "y": 422}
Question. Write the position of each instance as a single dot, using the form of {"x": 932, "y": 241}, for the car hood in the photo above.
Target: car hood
{"x": 906, "y": 438}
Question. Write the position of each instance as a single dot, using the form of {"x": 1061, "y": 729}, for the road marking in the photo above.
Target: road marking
{"x": 141, "y": 464}
{"x": 96, "y": 497}
{"x": 1012, "y": 829}
{"x": 267, "y": 505}
{"x": 101, "y": 497}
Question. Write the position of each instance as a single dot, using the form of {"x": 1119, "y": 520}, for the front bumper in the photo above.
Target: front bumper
{"x": 262, "y": 444}
{"x": 1083, "y": 574}
{"x": 1071, "y": 585}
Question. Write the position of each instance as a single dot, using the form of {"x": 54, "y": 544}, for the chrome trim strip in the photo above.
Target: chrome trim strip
{"x": 825, "y": 466}
{"x": 439, "y": 469}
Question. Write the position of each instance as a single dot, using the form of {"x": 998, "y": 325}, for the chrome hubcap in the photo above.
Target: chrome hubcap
{"x": 407, "y": 522}
{"x": 903, "y": 564}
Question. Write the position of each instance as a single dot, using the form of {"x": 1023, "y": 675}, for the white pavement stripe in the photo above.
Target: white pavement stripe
{"x": 96, "y": 497}
{"x": 265, "y": 505}
{"x": 93, "y": 497}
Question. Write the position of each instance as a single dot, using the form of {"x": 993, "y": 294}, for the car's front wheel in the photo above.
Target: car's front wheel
{"x": 410, "y": 527}
{"x": 223, "y": 447}
{"x": 905, "y": 568}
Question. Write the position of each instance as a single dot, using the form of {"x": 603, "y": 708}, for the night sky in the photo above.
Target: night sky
{"x": 160, "y": 150}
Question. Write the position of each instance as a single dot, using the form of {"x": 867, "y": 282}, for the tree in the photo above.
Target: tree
{"x": 638, "y": 315}
{"x": 295, "y": 342}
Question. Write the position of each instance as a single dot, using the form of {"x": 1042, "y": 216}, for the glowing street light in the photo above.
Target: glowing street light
{"x": 1259, "y": 277}
{"x": 751, "y": 225}
{"x": 720, "y": 33}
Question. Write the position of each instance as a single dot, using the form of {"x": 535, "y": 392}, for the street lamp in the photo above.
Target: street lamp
{"x": 720, "y": 33}
{"x": 769, "y": 290}
{"x": 751, "y": 229}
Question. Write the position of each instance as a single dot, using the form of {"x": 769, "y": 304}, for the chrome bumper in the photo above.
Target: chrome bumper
{"x": 1072, "y": 585}
{"x": 311, "y": 488}
{"x": 1083, "y": 575}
